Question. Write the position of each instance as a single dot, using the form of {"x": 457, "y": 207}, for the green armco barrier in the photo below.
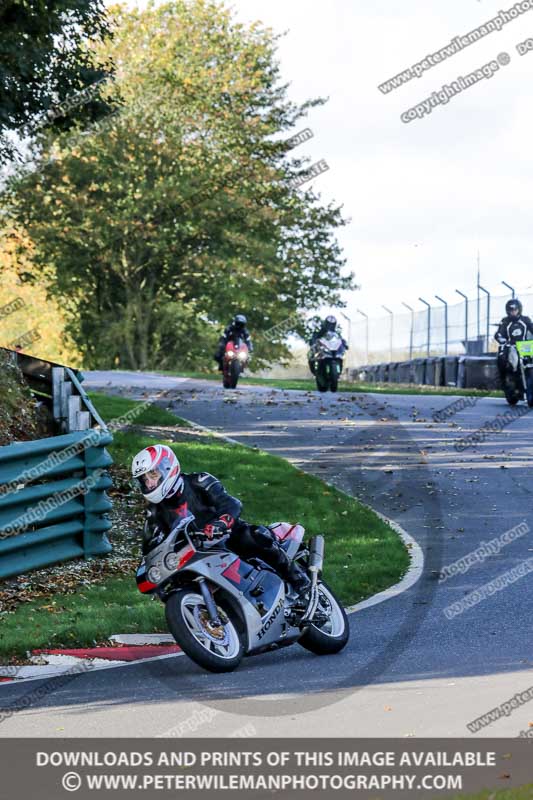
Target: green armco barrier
{"x": 53, "y": 502}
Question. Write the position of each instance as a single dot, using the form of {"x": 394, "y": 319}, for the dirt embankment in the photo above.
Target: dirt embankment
{"x": 18, "y": 410}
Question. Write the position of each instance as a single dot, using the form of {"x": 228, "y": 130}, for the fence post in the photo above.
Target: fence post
{"x": 429, "y": 323}
{"x": 390, "y": 331}
{"x": 466, "y": 318}
{"x": 445, "y": 323}
{"x": 488, "y": 313}
{"x": 366, "y": 320}
{"x": 411, "y": 331}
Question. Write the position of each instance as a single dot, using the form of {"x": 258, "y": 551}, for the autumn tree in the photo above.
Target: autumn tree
{"x": 47, "y": 53}
{"x": 25, "y": 307}
{"x": 172, "y": 215}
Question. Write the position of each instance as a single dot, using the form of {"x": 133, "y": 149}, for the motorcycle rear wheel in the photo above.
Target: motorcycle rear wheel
{"x": 333, "y": 635}
{"x": 214, "y": 649}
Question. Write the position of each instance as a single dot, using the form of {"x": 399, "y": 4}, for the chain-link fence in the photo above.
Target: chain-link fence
{"x": 463, "y": 327}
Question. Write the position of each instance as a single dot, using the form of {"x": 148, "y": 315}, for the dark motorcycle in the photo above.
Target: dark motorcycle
{"x": 235, "y": 359}
{"x": 325, "y": 361}
{"x": 516, "y": 364}
{"x": 220, "y": 608}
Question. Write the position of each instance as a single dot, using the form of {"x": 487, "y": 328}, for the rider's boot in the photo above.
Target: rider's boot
{"x": 276, "y": 557}
{"x": 292, "y": 572}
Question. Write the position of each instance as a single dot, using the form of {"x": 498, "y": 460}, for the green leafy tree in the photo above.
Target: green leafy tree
{"x": 47, "y": 53}
{"x": 167, "y": 218}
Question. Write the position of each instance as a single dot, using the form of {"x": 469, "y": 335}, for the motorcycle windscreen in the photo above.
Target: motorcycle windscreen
{"x": 513, "y": 357}
{"x": 331, "y": 343}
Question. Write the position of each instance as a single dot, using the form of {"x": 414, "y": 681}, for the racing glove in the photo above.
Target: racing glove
{"x": 219, "y": 527}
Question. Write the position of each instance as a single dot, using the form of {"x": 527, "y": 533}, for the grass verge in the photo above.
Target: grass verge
{"x": 363, "y": 555}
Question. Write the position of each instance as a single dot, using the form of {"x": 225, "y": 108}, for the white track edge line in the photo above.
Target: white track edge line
{"x": 416, "y": 565}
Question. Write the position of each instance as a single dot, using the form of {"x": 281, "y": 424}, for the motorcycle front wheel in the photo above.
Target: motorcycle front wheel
{"x": 511, "y": 391}
{"x": 215, "y": 648}
{"x": 332, "y": 635}
{"x": 529, "y": 387}
{"x": 226, "y": 377}
{"x": 321, "y": 376}
{"x": 334, "y": 372}
{"x": 235, "y": 373}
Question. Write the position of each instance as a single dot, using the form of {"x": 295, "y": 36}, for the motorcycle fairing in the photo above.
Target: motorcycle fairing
{"x": 512, "y": 358}
{"x": 525, "y": 348}
{"x": 156, "y": 559}
{"x": 264, "y": 621}
{"x": 330, "y": 345}
{"x": 237, "y": 346}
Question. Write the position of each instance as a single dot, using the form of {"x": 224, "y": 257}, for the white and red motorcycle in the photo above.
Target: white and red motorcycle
{"x": 220, "y": 608}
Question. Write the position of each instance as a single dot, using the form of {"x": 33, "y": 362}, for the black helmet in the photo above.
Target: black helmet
{"x": 513, "y": 305}
{"x": 330, "y": 323}
{"x": 240, "y": 321}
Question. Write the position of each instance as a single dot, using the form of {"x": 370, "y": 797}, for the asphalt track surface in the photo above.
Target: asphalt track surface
{"x": 408, "y": 670}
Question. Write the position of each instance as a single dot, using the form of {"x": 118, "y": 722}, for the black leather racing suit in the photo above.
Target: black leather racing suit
{"x": 231, "y": 333}
{"x": 204, "y": 496}
{"x": 511, "y": 329}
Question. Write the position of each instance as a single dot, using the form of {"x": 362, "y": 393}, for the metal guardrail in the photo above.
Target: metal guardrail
{"x": 59, "y": 388}
{"x": 463, "y": 372}
{"x": 53, "y": 502}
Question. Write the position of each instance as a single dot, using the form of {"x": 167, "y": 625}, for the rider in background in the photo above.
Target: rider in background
{"x": 172, "y": 495}
{"x": 513, "y": 328}
{"x": 328, "y": 325}
{"x": 235, "y": 330}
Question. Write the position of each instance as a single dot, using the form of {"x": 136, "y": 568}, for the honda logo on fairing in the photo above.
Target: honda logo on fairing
{"x": 270, "y": 620}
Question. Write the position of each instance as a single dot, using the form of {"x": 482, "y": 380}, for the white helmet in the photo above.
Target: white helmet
{"x": 157, "y": 472}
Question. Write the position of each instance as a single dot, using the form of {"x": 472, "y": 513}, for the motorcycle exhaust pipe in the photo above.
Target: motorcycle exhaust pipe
{"x": 314, "y": 567}
{"x": 316, "y": 555}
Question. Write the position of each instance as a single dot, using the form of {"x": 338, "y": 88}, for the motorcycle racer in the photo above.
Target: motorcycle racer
{"x": 172, "y": 495}
{"x": 513, "y": 328}
{"x": 329, "y": 324}
{"x": 236, "y": 329}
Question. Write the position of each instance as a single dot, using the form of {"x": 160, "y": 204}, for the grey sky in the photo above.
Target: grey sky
{"x": 422, "y": 197}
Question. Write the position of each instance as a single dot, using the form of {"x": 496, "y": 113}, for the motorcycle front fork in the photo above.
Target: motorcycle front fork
{"x": 209, "y": 602}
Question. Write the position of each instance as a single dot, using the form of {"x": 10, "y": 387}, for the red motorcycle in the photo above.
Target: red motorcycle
{"x": 235, "y": 359}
